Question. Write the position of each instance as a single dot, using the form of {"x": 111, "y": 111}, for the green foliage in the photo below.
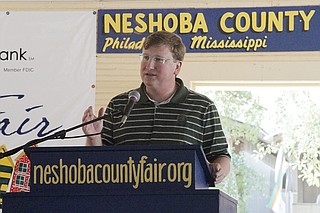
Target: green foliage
{"x": 241, "y": 181}
{"x": 298, "y": 118}
{"x": 240, "y": 105}
{"x": 239, "y": 131}
{"x": 241, "y": 114}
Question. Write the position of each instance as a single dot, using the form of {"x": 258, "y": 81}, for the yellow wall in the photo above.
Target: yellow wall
{"x": 120, "y": 72}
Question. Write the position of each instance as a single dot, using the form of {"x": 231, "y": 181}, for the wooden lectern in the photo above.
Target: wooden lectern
{"x": 173, "y": 178}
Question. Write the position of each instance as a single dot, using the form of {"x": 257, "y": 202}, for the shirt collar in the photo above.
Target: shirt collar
{"x": 178, "y": 97}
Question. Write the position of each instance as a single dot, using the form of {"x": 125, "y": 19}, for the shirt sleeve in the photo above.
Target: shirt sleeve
{"x": 214, "y": 141}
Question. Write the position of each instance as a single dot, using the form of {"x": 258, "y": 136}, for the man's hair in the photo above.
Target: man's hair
{"x": 171, "y": 40}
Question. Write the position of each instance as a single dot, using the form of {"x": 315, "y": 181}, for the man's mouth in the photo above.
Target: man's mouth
{"x": 150, "y": 74}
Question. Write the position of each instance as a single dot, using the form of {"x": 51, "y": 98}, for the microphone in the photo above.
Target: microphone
{"x": 57, "y": 135}
{"x": 134, "y": 96}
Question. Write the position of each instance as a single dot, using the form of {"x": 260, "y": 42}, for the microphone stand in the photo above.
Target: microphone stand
{"x": 58, "y": 135}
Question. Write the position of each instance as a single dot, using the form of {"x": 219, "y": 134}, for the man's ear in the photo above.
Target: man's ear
{"x": 178, "y": 68}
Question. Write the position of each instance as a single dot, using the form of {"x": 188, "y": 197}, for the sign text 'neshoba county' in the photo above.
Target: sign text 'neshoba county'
{"x": 262, "y": 29}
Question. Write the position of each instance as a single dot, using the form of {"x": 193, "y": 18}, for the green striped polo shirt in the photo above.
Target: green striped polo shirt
{"x": 189, "y": 118}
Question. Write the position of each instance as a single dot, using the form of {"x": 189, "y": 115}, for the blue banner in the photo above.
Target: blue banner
{"x": 129, "y": 169}
{"x": 262, "y": 29}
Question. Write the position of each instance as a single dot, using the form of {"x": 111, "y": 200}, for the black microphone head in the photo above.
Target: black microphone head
{"x": 134, "y": 95}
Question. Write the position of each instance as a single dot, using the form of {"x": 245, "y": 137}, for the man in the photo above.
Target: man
{"x": 167, "y": 112}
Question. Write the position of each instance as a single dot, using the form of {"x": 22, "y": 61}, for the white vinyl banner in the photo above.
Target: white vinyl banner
{"x": 47, "y": 74}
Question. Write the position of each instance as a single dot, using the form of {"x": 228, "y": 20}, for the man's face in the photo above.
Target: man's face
{"x": 158, "y": 69}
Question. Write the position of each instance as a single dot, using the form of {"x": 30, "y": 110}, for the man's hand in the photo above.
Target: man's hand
{"x": 220, "y": 169}
{"x": 92, "y": 128}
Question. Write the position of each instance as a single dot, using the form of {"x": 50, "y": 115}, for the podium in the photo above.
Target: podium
{"x": 173, "y": 178}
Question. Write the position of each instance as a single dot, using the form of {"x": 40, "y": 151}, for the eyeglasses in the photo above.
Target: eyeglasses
{"x": 155, "y": 59}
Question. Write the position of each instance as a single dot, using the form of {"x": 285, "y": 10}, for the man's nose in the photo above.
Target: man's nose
{"x": 150, "y": 63}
